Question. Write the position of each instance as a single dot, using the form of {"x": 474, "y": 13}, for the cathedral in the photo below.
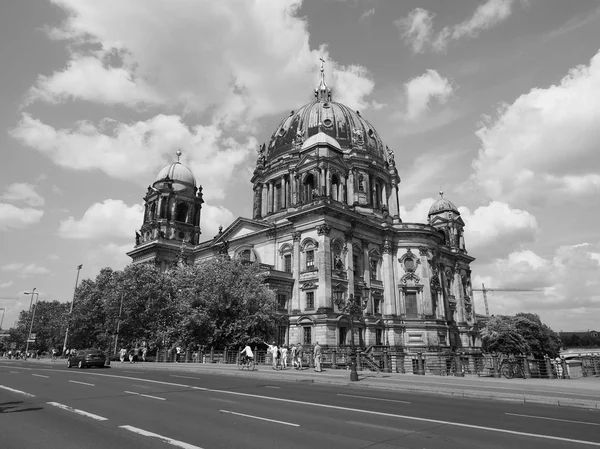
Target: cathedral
{"x": 326, "y": 228}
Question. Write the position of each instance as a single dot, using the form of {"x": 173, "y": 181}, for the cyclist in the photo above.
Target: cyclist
{"x": 247, "y": 354}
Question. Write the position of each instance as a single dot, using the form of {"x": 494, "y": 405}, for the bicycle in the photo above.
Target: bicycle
{"x": 511, "y": 368}
{"x": 246, "y": 362}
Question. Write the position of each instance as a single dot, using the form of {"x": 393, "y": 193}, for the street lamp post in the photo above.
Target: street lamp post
{"x": 71, "y": 310}
{"x": 31, "y": 301}
{"x": 31, "y": 320}
{"x": 2, "y": 319}
{"x": 352, "y": 309}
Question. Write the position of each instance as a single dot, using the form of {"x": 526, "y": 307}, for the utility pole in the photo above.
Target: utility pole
{"x": 485, "y": 290}
{"x": 79, "y": 267}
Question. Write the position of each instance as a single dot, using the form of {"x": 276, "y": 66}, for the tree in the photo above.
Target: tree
{"x": 500, "y": 335}
{"x": 225, "y": 302}
{"x": 541, "y": 339}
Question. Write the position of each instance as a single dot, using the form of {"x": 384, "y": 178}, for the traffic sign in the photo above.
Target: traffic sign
{"x": 32, "y": 336}
{"x": 31, "y": 341}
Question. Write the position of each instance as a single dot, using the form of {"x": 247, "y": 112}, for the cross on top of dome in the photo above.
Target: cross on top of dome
{"x": 323, "y": 93}
{"x": 178, "y": 155}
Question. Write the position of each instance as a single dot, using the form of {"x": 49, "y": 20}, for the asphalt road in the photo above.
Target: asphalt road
{"x": 51, "y": 406}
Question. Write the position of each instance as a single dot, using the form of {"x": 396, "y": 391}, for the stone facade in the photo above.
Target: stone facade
{"x": 326, "y": 225}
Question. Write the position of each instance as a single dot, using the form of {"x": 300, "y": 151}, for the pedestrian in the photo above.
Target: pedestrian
{"x": 317, "y": 355}
{"x": 275, "y": 353}
{"x": 54, "y": 354}
{"x": 284, "y": 355}
{"x": 299, "y": 355}
{"x": 122, "y": 354}
{"x": 131, "y": 355}
{"x": 178, "y": 352}
{"x": 293, "y": 356}
{"x": 144, "y": 352}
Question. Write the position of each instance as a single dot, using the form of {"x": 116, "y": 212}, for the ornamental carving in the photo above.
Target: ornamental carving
{"x": 297, "y": 236}
{"x": 323, "y": 229}
{"x": 358, "y": 138}
{"x": 409, "y": 261}
{"x": 387, "y": 247}
{"x": 410, "y": 280}
{"x": 349, "y": 235}
{"x": 262, "y": 155}
{"x": 435, "y": 284}
{"x": 298, "y": 140}
{"x": 308, "y": 286}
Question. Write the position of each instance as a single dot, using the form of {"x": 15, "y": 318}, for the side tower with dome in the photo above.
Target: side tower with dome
{"x": 171, "y": 224}
{"x": 326, "y": 226}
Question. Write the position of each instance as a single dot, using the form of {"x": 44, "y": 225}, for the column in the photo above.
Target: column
{"x": 389, "y": 286}
{"x": 393, "y": 202}
{"x": 458, "y": 294}
{"x": 296, "y": 271}
{"x": 271, "y": 197}
{"x": 257, "y": 207}
{"x": 264, "y": 201}
{"x": 328, "y": 182}
{"x": 366, "y": 263}
{"x": 284, "y": 187}
{"x": 368, "y": 193}
{"x": 349, "y": 263}
{"x": 324, "y": 295}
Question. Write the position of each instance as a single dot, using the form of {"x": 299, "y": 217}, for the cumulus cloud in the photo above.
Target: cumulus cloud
{"x": 240, "y": 60}
{"x": 567, "y": 279}
{"x": 20, "y": 191}
{"x": 545, "y": 142}
{"x": 132, "y": 151}
{"x": 419, "y": 212}
{"x": 417, "y": 27}
{"x": 24, "y": 270}
{"x": 110, "y": 219}
{"x": 7, "y": 284}
{"x": 368, "y": 13}
{"x": 211, "y": 218}
{"x": 12, "y": 217}
{"x": 492, "y": 231}
{"x": 422, "y": 90}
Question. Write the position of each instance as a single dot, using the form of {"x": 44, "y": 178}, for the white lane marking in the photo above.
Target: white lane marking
{"x": 82, "y": 383}
{"x": 414, "y": 418}
{"x": 79, "y": 412}
{"x": 146, "y": 395}
{"x": 554, "y": 419}
{"x": 18, "y": 391}
{"x": 160, "y": 437}
{"x": 376, "y": 426}
{"x": 262, "y": 419}
{"x": 41, "y": 375}
{"x": 271, "y": 386}
{"x": 375, "y": 399}
{"x": 184, "y": 377}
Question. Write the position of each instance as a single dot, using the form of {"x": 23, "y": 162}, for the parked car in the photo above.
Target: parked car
{"x": 87, "y": 357}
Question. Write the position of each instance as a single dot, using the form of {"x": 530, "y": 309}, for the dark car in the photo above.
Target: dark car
{"x": 87, "y": 357}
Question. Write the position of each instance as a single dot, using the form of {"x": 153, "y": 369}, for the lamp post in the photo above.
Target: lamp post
{"x": 118, "y": 323}
{"x": 31, "y": 301}
{"x": 352, "y": 309}
{"x": 31, "y": 320}
{"x": 79, "y": 267}
{"x": 2, "y": 319}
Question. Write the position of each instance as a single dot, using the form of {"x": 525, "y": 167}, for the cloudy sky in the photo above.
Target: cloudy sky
{"x": 494, "y": 101}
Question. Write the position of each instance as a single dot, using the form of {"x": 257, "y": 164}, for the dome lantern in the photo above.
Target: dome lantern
{"x": 323, "y": 93}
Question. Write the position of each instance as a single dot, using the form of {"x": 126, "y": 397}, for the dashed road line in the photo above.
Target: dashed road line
{"x": 167, "y": 440}
{"x": 260, "y": 418}
{"x": 41, "y": 375}
{"x": 77, "y": 411}
{"x": 18, "y": 391}
{"x": 271, "y": 386}
{"x": 554, "y": 419}
{"x": 82, "y": 383}
{"x": 146, "y": 395}
{"x": 184, "y": 377}
{"x": 375, "y": 399}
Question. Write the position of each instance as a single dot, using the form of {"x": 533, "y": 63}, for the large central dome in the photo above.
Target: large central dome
{"x": 334, "y": 119}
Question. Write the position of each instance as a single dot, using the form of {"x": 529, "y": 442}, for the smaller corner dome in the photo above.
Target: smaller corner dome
{"x": 177, "y": 172}
{"x": 321, "y": 138}
{"x": 443, "y": 205}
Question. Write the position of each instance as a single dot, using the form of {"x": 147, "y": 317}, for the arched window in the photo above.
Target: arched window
{"x": 361, "y": 183}
{"x": 153, "y": 211}
{"x": 309, "y": 187}
{"x": 181, "y": 212}
{"x": 335, "y": 188}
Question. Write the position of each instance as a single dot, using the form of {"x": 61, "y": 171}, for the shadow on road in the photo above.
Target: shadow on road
{"x": 14, "y": 407}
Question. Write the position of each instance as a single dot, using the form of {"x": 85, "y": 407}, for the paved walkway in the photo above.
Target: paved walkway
{"x": 583, "y": 392}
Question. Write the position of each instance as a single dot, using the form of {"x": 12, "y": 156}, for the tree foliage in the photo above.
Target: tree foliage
{"x": 523, "y": 333}
{"x": 217, "y": 303}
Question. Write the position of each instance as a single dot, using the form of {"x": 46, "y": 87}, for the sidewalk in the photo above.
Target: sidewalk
{"x": 583, "y": 392}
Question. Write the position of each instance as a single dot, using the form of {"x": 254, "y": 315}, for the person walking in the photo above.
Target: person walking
{"x": 122, "y": 354}
{"x": 317, "y": 354}
{"x": 299, "y": 355}
{"x": 144, "y": 352}
{"x": 274, "y": 350}
{"x": 284, "y": 355}
{"x": 293, "y": 356}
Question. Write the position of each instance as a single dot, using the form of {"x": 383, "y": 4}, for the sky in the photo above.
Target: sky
{"x": 495, "y": 102}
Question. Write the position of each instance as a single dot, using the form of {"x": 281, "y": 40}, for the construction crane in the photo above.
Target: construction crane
{"x": 485, "y": 290}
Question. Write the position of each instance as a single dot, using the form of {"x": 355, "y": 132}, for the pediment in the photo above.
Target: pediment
{"x": 241, "y": 227}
